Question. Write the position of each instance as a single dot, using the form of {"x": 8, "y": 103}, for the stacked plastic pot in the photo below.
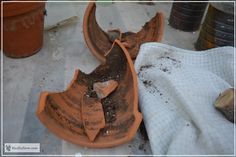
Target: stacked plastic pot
{"x": 187, "y": 16}
{"x": 218, "y": 27}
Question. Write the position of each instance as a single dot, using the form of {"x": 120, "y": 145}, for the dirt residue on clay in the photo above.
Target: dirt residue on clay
{"x": 100, "y": 41}
{"x": 109, "y": 109}
{"x": 114, "y": 69}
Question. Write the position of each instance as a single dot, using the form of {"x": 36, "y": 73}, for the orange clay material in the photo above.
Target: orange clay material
{"x": 100, "y": 41}
{"x": 92, "y": 116}
{"x": 103, "y": 89}
{"x": 62, "y": 112}
{"x": 22, "y": 28}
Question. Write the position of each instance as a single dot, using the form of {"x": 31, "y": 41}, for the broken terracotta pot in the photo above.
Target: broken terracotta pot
{"x": 70, "y": 116}
{"x": 99, "y": 41}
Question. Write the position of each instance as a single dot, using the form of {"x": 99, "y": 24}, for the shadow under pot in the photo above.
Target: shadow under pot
{"x": 22, "y": 28}
{"x": 187, "y": 16}
{"x": 217, "y": 30}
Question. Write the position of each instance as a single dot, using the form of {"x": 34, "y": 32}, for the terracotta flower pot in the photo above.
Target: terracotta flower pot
{"x": 99, "y": 41}
{"x": 76, "y": 115}
{"x": 22, "y": 28}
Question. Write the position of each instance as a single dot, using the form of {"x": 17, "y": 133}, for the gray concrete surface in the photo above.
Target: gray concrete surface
{"x": 51, "y": 69}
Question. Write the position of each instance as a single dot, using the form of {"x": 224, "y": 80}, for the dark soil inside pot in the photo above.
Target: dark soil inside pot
{"x": 113, "y": 69}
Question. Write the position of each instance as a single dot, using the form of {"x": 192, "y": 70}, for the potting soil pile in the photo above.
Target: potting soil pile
{"x": 177, "y": 91}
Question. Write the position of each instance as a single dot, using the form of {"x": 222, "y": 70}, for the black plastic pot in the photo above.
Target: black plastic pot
{"x": 217, "y": 30}
{"x": 187, "y": 16}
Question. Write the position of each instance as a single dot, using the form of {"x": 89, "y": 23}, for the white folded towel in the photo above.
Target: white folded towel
{"x": 177, "y": 90}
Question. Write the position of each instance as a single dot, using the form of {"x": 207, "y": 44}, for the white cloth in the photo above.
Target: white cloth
{"x": 177, "y": 90}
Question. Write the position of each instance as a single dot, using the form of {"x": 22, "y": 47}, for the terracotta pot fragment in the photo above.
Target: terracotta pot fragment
{"x": 64, "y": 113}
{"x": 225, "y": 104}
{"x": 103, "y": 89}
{"x": 93, "y": 116}
{"x": 99, "y": 41}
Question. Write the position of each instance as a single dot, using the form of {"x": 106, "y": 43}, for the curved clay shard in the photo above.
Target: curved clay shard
{"x": 64, "y": 113}
{"x": 100, "y": 42}
{"x": 92, "y": 116}
{"x": 225, "y": 104}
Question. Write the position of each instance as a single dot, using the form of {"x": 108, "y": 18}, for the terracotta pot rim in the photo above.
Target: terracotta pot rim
{"x": 17, "y": 8}
{"x": 86, "y": 33}
{"x": 161, "y": 26}
{"x": 23, "y": 56}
